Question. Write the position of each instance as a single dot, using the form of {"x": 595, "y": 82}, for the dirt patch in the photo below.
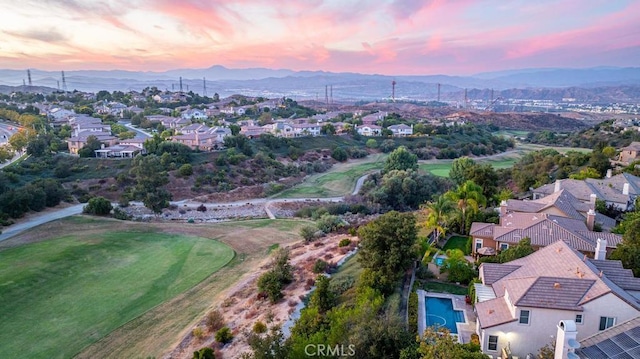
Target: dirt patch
{"x": 242, "y": 308}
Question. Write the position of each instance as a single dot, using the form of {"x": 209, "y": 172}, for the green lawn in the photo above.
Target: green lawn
{"x": 457, "y": 242}
{"x": 60, "y": 295}
{"x": 340, "y": 180}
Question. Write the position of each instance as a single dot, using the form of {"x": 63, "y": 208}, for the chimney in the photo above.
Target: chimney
{"x": 566, "y": 342}
{"x": 609, "y": 173}
{"x": 601, "y": 249}
{"x": 558, "y": 186}
{"x": 625, "y": 189}
{"x": 503, "y": 210}
{"x": 591, "y": 219}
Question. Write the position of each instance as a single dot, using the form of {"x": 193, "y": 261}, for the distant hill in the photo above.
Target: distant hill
{"x": 592, "y": 84}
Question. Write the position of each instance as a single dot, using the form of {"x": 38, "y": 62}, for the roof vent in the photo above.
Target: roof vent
{"x": 600, "y": 275}
{"x": 491, "y": 311}
{"x": 556, "y": 285}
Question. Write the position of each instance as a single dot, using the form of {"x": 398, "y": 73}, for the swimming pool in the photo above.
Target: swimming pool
{"x": 440, "y": 312}
{"x": 440, "y": 260}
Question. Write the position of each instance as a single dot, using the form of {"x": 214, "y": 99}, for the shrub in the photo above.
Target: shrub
{"x": 214, "y": 320}
{"x": 185, "y": 170}
{"x": 344, "y": 242}
{"x": 120, "y": 214}
{"x": 329, "y": 223}
{"x": 201, "y": 208}
{"x": 319, "y": 266}
{"x": 224, "y": 335}
{"x": 99, "y": 206}
{"x": 259, "y": 327}
{"x": 204, "y": 353}
{"x": 198, "y": 332}
{"x": 372, "y": 143}
{"x": 308, "y": 233}
{"x": 413, "y": 313}
{"x": 339, "y": 154}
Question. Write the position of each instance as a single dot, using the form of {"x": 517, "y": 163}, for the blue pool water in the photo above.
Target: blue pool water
{"x": 439, "y": 261}
{"x": 440, "y": 312}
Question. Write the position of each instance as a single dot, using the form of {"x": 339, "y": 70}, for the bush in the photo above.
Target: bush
{"x": 185, "y": 170}
{"x": 201, "y": 208}
{"x": 198, "y": 332}
{"x": 214, "y": 320}
{"x": 120, "y": 214}
{"x": 319, "y": 266}
{"x": 339, "y": 154}
{"x": 259, "y": 327}
{"x": 413, "y": 313}
{"x": 371, "y": 143}
{"x": 224, "y": 335}
{"x": 308, "y": 233}
{"x": 344, "y": 242}
{"x": 99, "y": 206}
{"x": 329, "y": 223}
{"x": 204, "y": 353}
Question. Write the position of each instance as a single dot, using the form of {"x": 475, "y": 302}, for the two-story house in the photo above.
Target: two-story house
{"x": 520, "y": 303}
{"x": 401, "y": 130}
{"x": 369, "y": 130}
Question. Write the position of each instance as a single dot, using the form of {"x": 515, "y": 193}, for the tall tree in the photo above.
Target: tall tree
{"x": 460, "y": 170}
{"x": 628, "y": 251}
{"x": 438, "y": 212}
{"x": 468, "y": 198}
{"x": 150, "y": 177}
{"x": 401, "y": 159}
{"x": 386, "y": 248}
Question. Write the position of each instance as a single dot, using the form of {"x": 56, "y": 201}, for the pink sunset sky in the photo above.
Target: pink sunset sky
{"x": 392, "y": 37}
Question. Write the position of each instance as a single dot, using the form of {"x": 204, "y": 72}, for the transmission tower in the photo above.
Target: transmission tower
{"x": 465, "y": 99}
{"x": 181, "y": 84}
{"x": 29, "y": 77}
{"x": 204, "y": 86}
{"x": 438, "y": 92}
{"x": 64, "y": 83}
{"x": 393, "y": 90}
{"x": 326, "y": 94}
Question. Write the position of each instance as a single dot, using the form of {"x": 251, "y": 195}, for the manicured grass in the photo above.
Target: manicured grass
{"x": 457, "y": 242}
{"x": 60, "y": 295}
{"x": 340, "y": 180}
{"x": 440, "y": 287}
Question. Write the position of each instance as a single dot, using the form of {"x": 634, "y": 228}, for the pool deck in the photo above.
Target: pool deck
{"x": 464, "y": 329}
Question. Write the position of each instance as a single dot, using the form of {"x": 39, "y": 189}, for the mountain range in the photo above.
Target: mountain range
{"x": 347, "y": 86}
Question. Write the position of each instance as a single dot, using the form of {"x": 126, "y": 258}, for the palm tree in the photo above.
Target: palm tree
{"x": 438, "y": 215}
{"x": 468, "y": 198}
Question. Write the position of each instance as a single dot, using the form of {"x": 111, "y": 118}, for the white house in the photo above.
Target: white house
{"x": 520, "y": 303}
{"x": 306, "y": 129}
{"x": 369, "y": 130}
{"x": 60, "y": 113}
{"x": 194, "y": 113}
{"x": 401, "y": 130}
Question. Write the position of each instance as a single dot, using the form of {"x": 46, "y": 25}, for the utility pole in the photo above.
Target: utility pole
{"x": 438, "y": 92}
{"x": 326, "y": 94}
{"x": 393, "y": 90}
{"x": 465, "y": 98}
{"x": 331, "y": 93}
{"x": 204, "y": 86}
{"x": 64, "y": 83}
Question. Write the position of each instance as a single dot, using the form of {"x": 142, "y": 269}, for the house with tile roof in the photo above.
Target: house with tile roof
{"x": 558, "y": 217}
{"x": 619, "y": 191}
{"x": 630, "y": 153}
{"x": 369, "y": 130}
{"x": 621, "y": 341}
{"x": 519, "y": 303}
{"x": 401, "y": 130}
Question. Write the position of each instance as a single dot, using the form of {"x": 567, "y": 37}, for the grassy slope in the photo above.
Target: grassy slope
{"x": 62, "y": 294}
{"x": 338, "y": 181}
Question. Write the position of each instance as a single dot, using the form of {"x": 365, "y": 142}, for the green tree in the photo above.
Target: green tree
{"x": 600, "y": 162}
{"x": 150, "y": 178}
{"x": 609, "y": 151}
{"x": 99, "y": 206}
{"x": 6, "y": 153}
{"x": 185, "y": 170}
{"x": 224, "y": 335}
{"x": 322, "y": 297}
{"x": 308, "y": 233}
{"x": 468, "y": 198}
{"x": 90, "y": 146}
{"x": 461, "y": 169}
{"x": 339, "y": 154}
{"x": 386, "y": 248}
{"x": 371, "y": 143}
{"x": 328, "y": 129}
{"x": 269, "y": 346}
{"x": 628, "y": 251}
{"x": 522, "y": 249}
{"x": 204, "y": 353}
{"x": 439, "y": 344}
{"x": 400, "y": 159}
{"x": 585, "y": 173}
{"x": 438, "y": 213}
{"x": 457, "y": 267}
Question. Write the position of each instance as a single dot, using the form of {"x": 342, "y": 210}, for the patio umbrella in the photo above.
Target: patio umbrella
{"x": 487, "y": 251}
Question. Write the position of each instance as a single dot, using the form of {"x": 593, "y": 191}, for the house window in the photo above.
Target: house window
{"x": 606, "y": 322}
{"x": 504, "y": 246}
{"x": 493, "y": 343}
{"x": 578, "y": 319}
{"x": 478, "y": 243}
{"x": 524, "y": 317}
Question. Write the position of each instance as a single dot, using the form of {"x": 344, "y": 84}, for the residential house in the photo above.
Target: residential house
{"x": 306, "y": 129}
{"x": 369, "y": 130}
{"x": 281, "y": 129}
{"x": 630, "y": 153}
{"x": 559, "y": 217}
{"x": 194, "y": 113}
{"x": 373, "y": 118}
{"x": 401, "y": 130}
{"x": 194, "y": 128}
{"x": 254, "y": 131}
{"x": 519, "y": 303}
{"x": 77, "y": 142}
{"x": 118, "y": 151}
{"x": 59, "y": 113}
{"x": 168, "y": 121}
{"x": 619, "y": 191}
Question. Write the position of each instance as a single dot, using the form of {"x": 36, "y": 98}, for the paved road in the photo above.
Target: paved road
{"x": 38, "y": 220}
